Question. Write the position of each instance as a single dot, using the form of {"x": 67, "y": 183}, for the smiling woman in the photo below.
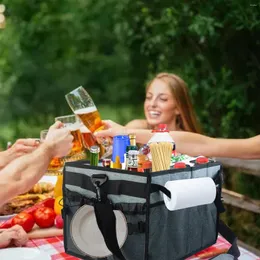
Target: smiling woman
{"x": 167, "y": 102}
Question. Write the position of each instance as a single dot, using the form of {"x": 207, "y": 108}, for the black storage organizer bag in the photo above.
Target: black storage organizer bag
{"x": 154, "y": 232}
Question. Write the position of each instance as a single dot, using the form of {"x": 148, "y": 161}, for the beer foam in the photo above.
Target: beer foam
{"x": 73, "y": 127}
{"x": 84, "y": 129}
{"x": 85, "y": 110}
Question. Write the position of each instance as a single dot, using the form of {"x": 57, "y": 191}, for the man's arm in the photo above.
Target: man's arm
{"x": 21, "y": 174}
{"x": 19, "y": 148}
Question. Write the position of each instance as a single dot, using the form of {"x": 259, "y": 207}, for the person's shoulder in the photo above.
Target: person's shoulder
{"x": 137, "y": 123}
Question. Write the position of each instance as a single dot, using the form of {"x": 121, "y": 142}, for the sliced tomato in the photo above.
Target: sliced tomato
{"x": 44, "y": 217}
{"x": 25, "y": 220}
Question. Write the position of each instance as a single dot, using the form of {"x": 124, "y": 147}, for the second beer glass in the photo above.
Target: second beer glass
{"x": 83, "y": 106}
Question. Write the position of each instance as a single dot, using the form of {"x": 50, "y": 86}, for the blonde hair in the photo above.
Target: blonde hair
{"x": 187, "y": 120}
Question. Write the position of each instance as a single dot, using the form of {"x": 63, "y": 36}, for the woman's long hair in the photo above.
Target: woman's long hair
{"x": 187, "y": 120}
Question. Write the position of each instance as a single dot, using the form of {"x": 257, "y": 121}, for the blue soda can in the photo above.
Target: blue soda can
{"x": 120, "y": 142}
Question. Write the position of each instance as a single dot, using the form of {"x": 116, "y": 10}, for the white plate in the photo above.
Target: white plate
{"x": 20, "y": 253}
{"x": 6, "y": 217}
{"x": 51, "y": 179}
{"x": 87, "y": 236}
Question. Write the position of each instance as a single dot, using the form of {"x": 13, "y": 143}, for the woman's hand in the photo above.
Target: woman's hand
{"x": 112, "y": 129}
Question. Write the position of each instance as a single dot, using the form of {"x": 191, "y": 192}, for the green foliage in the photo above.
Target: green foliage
{"x": 114, "y": 47}
{"x": 244, "y": 224}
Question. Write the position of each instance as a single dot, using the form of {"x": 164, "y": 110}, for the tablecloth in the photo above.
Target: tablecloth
{"x": 54, "y": 247}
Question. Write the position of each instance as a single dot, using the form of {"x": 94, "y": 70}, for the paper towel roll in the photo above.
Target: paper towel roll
{"x": 190, "y": 193}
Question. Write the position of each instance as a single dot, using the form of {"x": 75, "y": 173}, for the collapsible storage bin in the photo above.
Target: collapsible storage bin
{"x": 154, "y": 232}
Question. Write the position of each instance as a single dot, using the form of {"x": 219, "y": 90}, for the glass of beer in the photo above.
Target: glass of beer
{"x": 73, "y": 124}
{"x": 56, "y": 164}
{"x": 90, "y": 140}
{"x": 83, "y": 106}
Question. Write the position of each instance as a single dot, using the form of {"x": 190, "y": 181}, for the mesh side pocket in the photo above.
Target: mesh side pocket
{"x": 181, "y": 233}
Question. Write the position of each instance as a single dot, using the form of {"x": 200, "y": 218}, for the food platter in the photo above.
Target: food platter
{"x": 42, "y": 190}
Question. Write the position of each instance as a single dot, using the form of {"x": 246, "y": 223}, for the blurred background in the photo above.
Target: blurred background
{"x": 112, "y": 48}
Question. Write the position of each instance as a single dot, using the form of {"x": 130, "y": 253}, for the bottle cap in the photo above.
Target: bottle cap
{"x": 94, "y": 149}
{"x": 161, "y": 128}
{"x": 179, "y": 165}
{"x": 202, "y": 160}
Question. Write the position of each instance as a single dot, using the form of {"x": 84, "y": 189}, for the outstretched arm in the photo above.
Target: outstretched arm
{"x": 194, "y": 144}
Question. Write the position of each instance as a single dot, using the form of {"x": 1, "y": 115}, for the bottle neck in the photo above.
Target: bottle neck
{"x": 133, "y": 142}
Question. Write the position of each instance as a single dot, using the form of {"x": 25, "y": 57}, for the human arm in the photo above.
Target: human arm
{"x": 19, "y": 148}
{"x": 21, "y": 174}
{"x": 137, "y": 124}
{"x": 194, "y": 144}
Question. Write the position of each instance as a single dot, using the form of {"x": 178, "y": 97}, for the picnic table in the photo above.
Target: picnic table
{"x": 55, "y": 248}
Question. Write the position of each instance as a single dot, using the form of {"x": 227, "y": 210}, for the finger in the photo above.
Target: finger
{"x": 108, "y": 123}
{"x": 16, "y": 228}
{"x": 6, "y": 237}
{"x": 56, "y": 125}
{"x": 21, "y": 238}
{"x": 24, "y": 149}
{"x": 104, "y": 133}
{"x": 27, "y": 141}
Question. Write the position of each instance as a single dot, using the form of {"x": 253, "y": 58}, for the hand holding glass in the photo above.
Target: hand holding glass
{"x": 73, "y": 124}
{"x": 56, "y": 164}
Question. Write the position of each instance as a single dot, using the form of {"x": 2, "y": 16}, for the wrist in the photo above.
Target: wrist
{"x": 6, "y": 157}
{"x": 48, "y": 149}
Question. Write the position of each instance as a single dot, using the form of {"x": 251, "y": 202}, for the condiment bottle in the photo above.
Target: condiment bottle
{"x": 133, "y": 160}
{"x": 106, "y": 163}
{"x": 130, "y": 147}
{"x": 94, "y": 155}
{"x": 58, "y": 186}
{"x": 147, "y": 166}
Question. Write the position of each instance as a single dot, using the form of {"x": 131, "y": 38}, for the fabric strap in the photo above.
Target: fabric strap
{"x": 228, "y": 234}
{"x": 105, "y": 217}
{"x": 106, "y": 221}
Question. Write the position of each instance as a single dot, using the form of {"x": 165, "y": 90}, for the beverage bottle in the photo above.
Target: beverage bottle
{"x": 131, "y": 147}
{"x": 58, "y": 186}
{"x": 94, "y": 155}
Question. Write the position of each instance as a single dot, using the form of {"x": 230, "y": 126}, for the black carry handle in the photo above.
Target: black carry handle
{"x": 105, "y": 217}
{"x": 158, "y": 187}
{"x": 229, "y": 235}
